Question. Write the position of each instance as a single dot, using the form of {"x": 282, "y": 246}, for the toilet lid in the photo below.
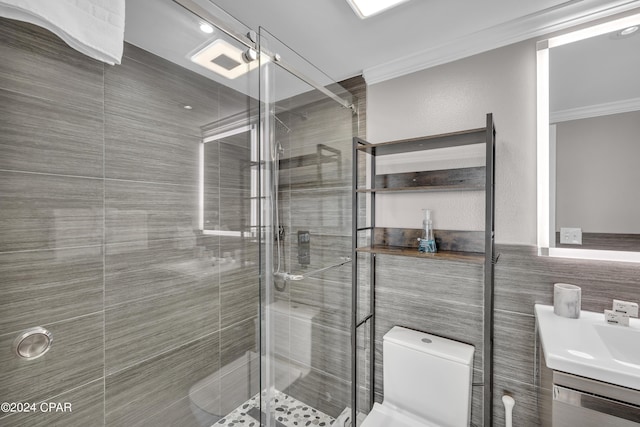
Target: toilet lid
{"x": 385, "y": 416}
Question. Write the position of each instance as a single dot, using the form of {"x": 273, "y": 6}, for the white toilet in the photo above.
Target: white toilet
{"x": 427, "y": 382}
{"x": 218, "y": 394}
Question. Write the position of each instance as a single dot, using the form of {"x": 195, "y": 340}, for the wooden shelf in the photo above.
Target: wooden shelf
{"x": 456, "y": 179}
{"x": 470, "y": 257}
{"x": 454, "y": 139}
{"x": 425, "y": 189}
{"x": 306, "y": 160}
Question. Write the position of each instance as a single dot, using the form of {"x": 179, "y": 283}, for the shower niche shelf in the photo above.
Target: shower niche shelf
{"x": 475, "y": 247}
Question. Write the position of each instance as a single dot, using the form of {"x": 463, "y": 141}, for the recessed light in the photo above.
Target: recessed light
{"x": 628, "y": 31}
{"x": 225, "y": 59}
{"x": 206, "y": 28}
{"x": 188, "y": 107}
{"x": 367, "y": 8}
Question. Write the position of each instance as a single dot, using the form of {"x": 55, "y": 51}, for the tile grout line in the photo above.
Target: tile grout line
{"x": 108, "y": 307}
{"x": 66, "y": 319}
{"x": 163, "y": 353}
{"x": 218, "y": 255}
{"x": 100, "y": 245}
{"x": 508, "y": 379}
{"x": 219, "y": 246}
{"x": 179, "y": 346}
{"x": 31, "y": 95}
{"x": 517, "y": 313}
{"x": 60, "y": 248}
{"x": 138, "y": 181}
{"x": 55, "y": 397}
{"x": 101, "y": 178}
{"x": 52, "y": 174}
{"x": 104, "y": 255}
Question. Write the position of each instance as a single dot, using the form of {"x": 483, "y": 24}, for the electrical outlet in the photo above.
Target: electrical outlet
{"x": 570, "y": 236}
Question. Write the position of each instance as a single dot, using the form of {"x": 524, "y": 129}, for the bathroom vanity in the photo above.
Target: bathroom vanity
{"x": 588, "y": 371}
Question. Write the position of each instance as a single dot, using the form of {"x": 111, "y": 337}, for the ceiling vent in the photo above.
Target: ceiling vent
{"x": 223, "y": 58}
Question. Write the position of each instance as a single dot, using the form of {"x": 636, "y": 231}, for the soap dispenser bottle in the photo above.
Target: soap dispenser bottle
{"x": 428, "y": 242}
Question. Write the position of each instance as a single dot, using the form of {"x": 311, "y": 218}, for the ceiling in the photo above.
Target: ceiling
{"x": 415, "y": 35}
{"x": 600, "y": 73}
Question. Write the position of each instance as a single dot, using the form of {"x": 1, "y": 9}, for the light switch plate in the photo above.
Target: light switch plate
{"x": 570, "y": 236}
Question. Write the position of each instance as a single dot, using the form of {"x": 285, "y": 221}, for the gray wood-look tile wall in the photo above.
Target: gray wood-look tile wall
{"x": 445, "y": 298}
{"x": 98, "y": 189}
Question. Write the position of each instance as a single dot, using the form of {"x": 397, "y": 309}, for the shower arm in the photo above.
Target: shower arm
{"x": 297, "y": 277}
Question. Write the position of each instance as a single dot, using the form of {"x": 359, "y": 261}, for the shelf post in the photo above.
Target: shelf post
{"x": 488, "y": 273}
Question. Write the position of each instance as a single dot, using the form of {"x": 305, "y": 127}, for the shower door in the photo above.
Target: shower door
{"x": 307, "y": 127}
{"x": 155, "y": 269}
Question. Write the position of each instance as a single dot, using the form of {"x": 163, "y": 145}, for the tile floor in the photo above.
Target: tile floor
{"x": 290, "y": 412}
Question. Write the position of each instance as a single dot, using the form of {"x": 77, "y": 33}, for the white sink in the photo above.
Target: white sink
{"x": 623, "y": 343}
{"x": 591, "y": 348}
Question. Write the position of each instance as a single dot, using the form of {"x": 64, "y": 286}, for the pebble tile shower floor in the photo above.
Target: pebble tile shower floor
{"x": 290, "y": 412}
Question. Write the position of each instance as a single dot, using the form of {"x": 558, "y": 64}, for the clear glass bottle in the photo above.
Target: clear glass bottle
{"x": 427, "y": 242}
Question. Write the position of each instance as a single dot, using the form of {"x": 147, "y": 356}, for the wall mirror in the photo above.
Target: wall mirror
{"x": 229, "y": 154}
{"x": 589, "y": 142}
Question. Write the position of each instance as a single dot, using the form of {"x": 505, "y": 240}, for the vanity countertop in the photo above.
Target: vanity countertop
{"x": 589, "y": 347}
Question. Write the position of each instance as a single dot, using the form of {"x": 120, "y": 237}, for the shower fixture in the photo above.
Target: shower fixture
{"x": 303, "y": 115}
{"x": 296, "y": 277}
{"x": 249, "y": 55}
{"x": 281, "y": 123}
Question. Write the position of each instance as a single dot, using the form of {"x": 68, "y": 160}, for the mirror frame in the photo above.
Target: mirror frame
{"x": 544, "y": 160}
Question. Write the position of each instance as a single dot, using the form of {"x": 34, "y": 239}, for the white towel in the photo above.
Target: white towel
{"x": 93, "y": 27}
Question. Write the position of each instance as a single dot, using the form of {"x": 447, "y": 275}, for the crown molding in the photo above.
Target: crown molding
{"x": 605, "y": 109}
{"x": 563, "y": 16}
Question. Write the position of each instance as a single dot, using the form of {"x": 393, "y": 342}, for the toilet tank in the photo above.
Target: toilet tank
{"x": 293, "y": 324}
{"x": 428, "y": 376}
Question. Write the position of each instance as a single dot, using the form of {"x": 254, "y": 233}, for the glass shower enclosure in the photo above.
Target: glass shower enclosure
{"x": 275, "y": 191}
{"x": 308, "y": 122}
{"x": 180, "y": 225}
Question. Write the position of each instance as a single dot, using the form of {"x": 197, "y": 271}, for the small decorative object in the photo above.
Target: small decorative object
{"x": 428, "y": 242}
{"x": 567, "y": 300}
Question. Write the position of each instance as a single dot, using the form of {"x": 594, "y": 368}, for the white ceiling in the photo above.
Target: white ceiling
{"x": 415, "y": 35}
{"x": 600, "y": 72}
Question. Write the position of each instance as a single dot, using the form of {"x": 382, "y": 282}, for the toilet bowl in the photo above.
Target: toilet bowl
{"x": 427, "y": 381}
{"x": 386, "y": 416}
{"x": 220, "y": 393}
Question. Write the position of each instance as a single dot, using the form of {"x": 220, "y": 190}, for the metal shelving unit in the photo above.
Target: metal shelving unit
{"x": 476, "y": 247}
